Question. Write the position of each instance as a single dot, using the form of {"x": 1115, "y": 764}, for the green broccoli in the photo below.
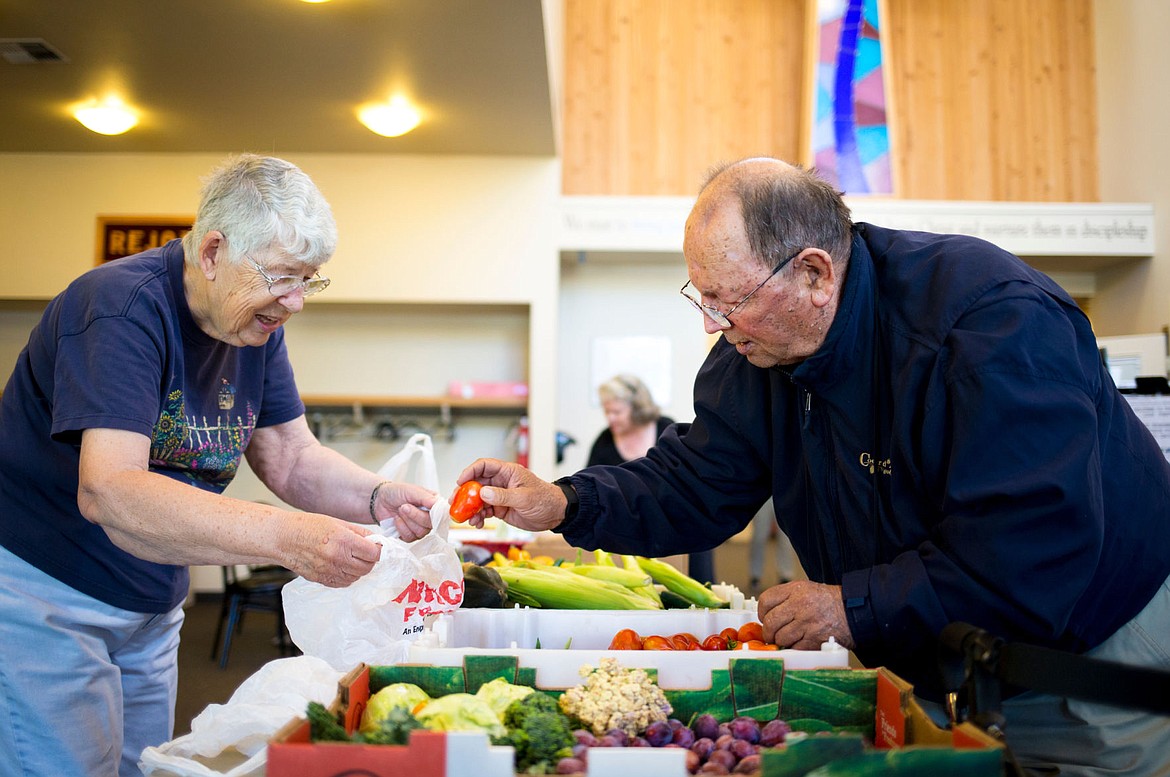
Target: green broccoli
{"x": 393, "y": 729}
{"x": 520, "y": 709}
{"x": 539, "y": 732}
{"x": 324, "y": 725}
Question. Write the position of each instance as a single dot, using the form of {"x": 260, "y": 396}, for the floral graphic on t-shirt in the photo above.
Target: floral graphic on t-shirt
{"x": 169, "y": 431}
{"x": 206, "y": 449}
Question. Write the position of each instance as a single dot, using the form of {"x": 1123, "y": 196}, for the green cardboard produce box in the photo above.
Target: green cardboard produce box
{"x": 854, "y": 708}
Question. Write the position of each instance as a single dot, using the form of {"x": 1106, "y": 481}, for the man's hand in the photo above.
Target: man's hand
{"x": 330, "y": 551}
{"x": 409, "y": 506}
{"x": 514, "y": 495}
{"x": 804, "y": 614}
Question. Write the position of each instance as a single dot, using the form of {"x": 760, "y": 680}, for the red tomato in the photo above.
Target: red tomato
{"x": 750, "y": 631}
{"x": 655, "y": 642}
{"x": 714, "y": 642}
{"x": 466, "y": 502}
{"x": 758, "y": 644}
{"x": 731, "y": 636}
{"x": 626, "y": 639}
{"x": 684, "y": 641}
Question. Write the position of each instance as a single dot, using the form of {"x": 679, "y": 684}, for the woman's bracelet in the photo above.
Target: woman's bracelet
{"x": 374, "y": 498}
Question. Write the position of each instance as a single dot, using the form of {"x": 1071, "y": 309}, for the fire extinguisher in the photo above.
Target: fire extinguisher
{"x": 522, "y": 442}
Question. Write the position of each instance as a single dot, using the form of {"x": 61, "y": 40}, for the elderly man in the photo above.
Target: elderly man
{"x": 941, "y": 442}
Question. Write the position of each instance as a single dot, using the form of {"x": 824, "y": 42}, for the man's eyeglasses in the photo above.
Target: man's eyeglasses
{"x": 723, "y": 320}
{"x": 282, "y": 285}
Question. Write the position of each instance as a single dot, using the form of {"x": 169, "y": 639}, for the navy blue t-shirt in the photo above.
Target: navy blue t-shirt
{"x": 119, "y": 349}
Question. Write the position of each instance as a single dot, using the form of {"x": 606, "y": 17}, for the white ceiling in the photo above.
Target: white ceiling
{"x": 281, "y": 76}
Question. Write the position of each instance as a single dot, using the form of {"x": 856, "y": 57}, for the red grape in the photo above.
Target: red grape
{"x": 774, "y": 732}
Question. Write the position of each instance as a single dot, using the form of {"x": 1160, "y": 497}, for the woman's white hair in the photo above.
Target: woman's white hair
{"x": 628, "y": 388}
{"x": 263, "y": 203}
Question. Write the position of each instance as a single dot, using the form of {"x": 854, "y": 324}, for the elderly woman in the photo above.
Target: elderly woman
{"x": 124, "y": 419}
{"x": 635, "y": 424}
{"x": 634, "y": 421}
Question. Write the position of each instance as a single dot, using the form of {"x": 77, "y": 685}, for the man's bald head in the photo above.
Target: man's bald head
{"x": 783, "y": 208}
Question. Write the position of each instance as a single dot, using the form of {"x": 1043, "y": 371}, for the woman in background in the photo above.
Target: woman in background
{"x": 635, "y": 423}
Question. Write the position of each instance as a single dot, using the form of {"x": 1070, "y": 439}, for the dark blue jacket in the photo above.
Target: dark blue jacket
{"x": 954, "y": 452}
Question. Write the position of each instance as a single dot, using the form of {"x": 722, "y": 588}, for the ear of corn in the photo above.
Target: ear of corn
{"x": 651, "y": 593}
{"x": 603, "y": 558}
{"x": 631, "y": 562}
{"x": 562, "y": 589}
{"x": 687, "y": 587}
{"x": 625, "y": 577}
{"x": 517, "y": 596}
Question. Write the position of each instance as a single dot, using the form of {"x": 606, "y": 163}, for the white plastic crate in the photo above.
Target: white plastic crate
{"x": 587, "y": 634}
{"x": 524, "y": 627}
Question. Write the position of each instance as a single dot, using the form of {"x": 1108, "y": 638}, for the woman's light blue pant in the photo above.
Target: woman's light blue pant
{"x": 84, "y": 686}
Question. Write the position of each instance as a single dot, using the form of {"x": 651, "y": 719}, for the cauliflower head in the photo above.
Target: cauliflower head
{"x": 613, "y": 696}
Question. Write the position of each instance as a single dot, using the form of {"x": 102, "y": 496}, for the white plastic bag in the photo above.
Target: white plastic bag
{"x": 415, "y": 463}
{"x": 375, "y": 619}
{"x": 280, "y": 691}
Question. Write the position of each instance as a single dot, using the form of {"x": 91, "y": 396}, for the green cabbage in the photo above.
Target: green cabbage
{"x": 405, "y": 695}
{"x": 460, "y": 712}
{"x": 499, "y": 694}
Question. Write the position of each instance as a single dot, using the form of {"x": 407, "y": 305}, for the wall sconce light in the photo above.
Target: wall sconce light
{"x": 390, "y": 119}
{"x": 108, "y": 117}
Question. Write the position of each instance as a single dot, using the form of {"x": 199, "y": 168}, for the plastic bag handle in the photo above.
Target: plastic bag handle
{"x": 418, "y": 453}
{"x": 398, "y": 467}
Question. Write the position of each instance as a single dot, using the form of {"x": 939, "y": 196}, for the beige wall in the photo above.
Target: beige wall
{"x": 1134, "y": 113}
{"x": 412, "y": 228}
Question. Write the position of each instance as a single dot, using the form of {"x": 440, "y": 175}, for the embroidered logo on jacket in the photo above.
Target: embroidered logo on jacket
{"x": 883, "y": 466}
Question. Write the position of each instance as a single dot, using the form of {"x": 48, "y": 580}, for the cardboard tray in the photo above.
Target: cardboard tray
{"x": 683, "y": 669}
{"x": 870, "y": 704}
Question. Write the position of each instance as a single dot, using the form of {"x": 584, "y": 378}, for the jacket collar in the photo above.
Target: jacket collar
{"x": 849, "y": 343}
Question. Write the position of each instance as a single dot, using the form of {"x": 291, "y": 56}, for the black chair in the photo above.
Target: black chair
{"x": 260, "y": 590}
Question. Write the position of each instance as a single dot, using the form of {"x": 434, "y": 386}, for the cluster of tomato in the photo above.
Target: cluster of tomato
{"x": 749, "y": 636}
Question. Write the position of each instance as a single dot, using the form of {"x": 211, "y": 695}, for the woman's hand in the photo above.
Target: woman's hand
{"x": 409, "y": 506}
{"x": 328, "y": 550}
{"x": 514, "y": 495}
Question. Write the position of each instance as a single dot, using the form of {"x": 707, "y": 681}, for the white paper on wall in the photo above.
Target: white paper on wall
{"x": 1128, "y": 357}
{"x": 1154, "y": 412}
{"x": 643, "y": 356}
